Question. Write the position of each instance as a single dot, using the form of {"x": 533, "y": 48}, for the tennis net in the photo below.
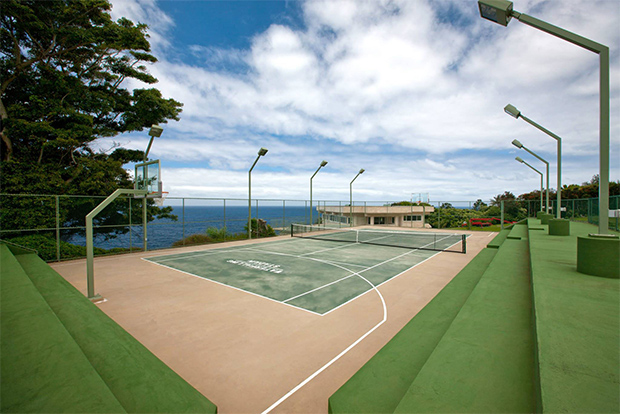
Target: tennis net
{"x": 445, "y": 242}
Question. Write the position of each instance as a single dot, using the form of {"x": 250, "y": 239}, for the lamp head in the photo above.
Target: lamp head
{"x": 362, "y": 171}
{"x": 156, "y": 131}
{"x": 512, "y": 111}
{"x": 262, "y": 152}
{"x": 498, "y": 11}
{"x": 516, "y": 143}
{"x": 323, "y": 163}
{"x": 519, "y": 159}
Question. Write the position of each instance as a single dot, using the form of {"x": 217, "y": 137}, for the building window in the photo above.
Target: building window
{"x": 392, "y": 220}
{"x": 379, "y": 220}
{"x": 412, "y": 218}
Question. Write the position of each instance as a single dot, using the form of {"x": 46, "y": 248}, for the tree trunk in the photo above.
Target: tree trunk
{"x": 8, "y": 151}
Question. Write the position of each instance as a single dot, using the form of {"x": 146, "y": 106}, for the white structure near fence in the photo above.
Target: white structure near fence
{"x": 399, "y": 216}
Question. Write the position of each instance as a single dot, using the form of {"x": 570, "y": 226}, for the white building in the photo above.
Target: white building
{"x": 400, "y": 216}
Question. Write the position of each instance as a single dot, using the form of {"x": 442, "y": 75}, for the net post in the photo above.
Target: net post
{"x": 291, "y": 229}
{"x": 464, "y": 243}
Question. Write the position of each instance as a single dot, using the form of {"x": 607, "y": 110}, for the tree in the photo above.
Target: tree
{"x": 479, "y": 205}
{"x": 63, "y": 65}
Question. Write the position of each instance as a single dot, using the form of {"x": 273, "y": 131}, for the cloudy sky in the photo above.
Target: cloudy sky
{"x": 412, "y": 91}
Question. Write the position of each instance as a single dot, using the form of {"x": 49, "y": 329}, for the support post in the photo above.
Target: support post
{"x": 90, "y": 256}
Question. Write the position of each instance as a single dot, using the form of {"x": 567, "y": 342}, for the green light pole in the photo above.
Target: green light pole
{"x": 541, "y": 179}
{"x": 514, "y": 112}
{"x": 323, "y": 164}
{"x": 261, "y": 152}
{"x": 517, "y": 144}
{"x": 351, "y": 197}
{"x": 154, "y": 132}
{"x": 501, "y": 11}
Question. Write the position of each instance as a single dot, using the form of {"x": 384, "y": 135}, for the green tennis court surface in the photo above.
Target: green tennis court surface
{"x": 314, "y": 275}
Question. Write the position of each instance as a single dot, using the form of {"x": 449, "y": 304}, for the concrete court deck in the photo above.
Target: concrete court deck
{"x": 244, "y": 352}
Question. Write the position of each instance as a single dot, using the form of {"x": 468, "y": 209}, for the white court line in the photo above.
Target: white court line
{"x": 337, "y": 357}
{"x": 304, "y": 257}
{"x": 367, "y": 269}
{"x": 236, "y": 288}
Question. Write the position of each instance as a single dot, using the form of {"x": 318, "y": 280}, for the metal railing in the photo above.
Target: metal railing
{"x": 60, "y": 219}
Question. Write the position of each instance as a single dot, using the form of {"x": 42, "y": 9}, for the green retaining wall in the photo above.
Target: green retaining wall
{"x": 78, "y": 358}
{"x": 577, "y": 325}
{"x": 43, "y": 369}
{"x": 485, "y": 361}
{"x": 499, "y": 239}
{"x": 380, "y": 384}
{"x": 139, "y": 380}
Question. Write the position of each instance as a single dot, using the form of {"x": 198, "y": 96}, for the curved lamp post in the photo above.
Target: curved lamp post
{"x": 541, "y": 179}
{"x": 261, "y": 152}
{"x": 351, "y": 197}
{"x": 514, "y": 112}
{"x": 517, "y": 144}
{"x": 323, "y": 164}
{"x": 154, "y": 132}
{"x": 501, "y": 11}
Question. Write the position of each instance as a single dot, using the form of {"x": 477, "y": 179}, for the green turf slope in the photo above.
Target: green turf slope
{"x": 42, "y": 368}
{"x": 578, "y": 327}
{"x": 137, "y": 378}
{"x": 485, "y": 361}
{"x": 381, "y": 383}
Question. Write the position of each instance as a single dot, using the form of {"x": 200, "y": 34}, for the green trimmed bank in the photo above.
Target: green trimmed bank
{"x": 83, "y": 360}
{"x": 533, "y": 335}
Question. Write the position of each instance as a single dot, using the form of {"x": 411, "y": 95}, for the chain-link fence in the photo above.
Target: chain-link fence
{"x": 54, "y": 225}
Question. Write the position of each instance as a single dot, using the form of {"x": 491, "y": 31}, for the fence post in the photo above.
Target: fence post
{"x": 57, "y": 228}
{"x": 283, "y": 214}
{"x": 130, "y": 227}
{"x": 183, "y": 219}
{"x": 224, "y": 218}
{"x": 502, "y": 215}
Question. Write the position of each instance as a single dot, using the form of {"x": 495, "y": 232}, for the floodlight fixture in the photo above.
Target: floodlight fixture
{"x": 541, "y": 180}
{"x": 500, "y": 11}
{"x": 518, "y": 144}
{"x": 511, "y": 110}
{"x": 261, "y": 152}
{"x": 351, "y": 197}
{"x": 323, "y": 164}
{"x": 156, "y": 131}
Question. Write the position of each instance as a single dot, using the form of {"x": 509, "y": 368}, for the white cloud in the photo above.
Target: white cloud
{"x": 381, "y": 83}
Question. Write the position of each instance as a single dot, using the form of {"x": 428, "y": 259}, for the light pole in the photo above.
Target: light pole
{"x": 154, "y": 132}
{"x": 351, "y": 197}
{"x": 517, "y": 144}
{"x": 261, "y": 152}
{"x": 323, "y": 164}
{"x": 500, "y": 11}
{"x": 514, "y": 112}
{"x": 541, "y": 179}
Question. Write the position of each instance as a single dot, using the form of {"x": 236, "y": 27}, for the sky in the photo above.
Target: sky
{"x": 412, "y": 91}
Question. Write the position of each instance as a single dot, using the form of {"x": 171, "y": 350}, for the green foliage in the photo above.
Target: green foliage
{"x": 479, "y": 205}
{"x": 46, "y": 247}
{"x": 260, "y": 229}
{"x": 213, "y": 235}
{"x": 62, "y": 65}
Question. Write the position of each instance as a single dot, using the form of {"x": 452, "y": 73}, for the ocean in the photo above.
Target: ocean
{"x": 162, "y": 233}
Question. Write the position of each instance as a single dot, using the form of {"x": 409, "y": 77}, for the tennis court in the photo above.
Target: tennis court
{"x": 311, "y": 272}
